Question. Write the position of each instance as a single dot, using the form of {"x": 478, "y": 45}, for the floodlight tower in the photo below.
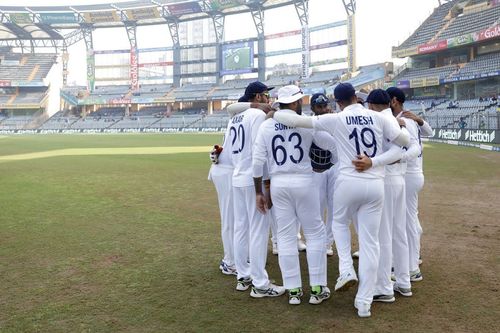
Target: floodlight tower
{"x": 350, "y": 8}
{"x": 86, "y": 29}
{"x": 131, "y": 28}
{"x": 258, "y": 20}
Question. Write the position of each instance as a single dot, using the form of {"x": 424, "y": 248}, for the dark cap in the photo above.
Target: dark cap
{"x": 378, "y": 96}
{"x": 254, "y": 88}
{"x": 344, "y": 92}
{"x": 396, "y": 92}
{"x": 319, "y": 99}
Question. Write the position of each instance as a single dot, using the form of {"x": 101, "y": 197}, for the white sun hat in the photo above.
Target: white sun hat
{"x": 289, "y": 94}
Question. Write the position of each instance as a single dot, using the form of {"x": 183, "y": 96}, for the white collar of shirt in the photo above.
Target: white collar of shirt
{"x": 288, "y": 111}
{"x": 354, "y": 107}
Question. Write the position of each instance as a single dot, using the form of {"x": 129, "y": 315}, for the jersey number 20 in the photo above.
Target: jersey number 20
{"x": 279, "y": 148}
{"x": 367, "y": 142}
{"x": 240, "y": 136}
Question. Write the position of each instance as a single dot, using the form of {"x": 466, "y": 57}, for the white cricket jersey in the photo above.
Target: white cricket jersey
{"x": 225, "y": 156}
{"x": 242, "y": 133}
{"x": 396, "y": 169}
{"x": 225, "y": 162}
{"x": 358, "y": 131}
{"x": 286, "y": 151}
{"x": 415, "y": 165}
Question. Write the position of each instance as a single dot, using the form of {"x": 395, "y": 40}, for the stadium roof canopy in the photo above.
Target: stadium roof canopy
{"x": 142, "y": 12}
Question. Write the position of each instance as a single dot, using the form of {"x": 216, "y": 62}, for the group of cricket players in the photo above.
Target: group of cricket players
{"x": 306, "y": 179}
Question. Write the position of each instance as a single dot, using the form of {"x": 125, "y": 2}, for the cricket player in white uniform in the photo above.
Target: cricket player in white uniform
{"x": 221, "y": 174}
{"x": 285, "y": 150}
{"x": 324, "y": 175}
{"x": 357, "y": 132}
{"x": 251, "y": 227}
{"x": 414, "y": 180}
{"x": 235, "y": 109}
{"x": 392, "y": 234}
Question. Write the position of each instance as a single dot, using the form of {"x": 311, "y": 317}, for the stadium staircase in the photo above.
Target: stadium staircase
{"x": 34, "y": 72}
{"x": 13, "y": 97}
{"x": 443, "y": 28}
{"x": 38, "y": 120}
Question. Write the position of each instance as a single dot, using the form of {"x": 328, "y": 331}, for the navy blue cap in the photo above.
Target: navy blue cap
{"x": 344, "y": 92}
{"x": 253, "y": 88}
{"x": 319, "y": 99}
{"x": 242, "y": 99}
{"x": 396, "y": 92}
{"x": 378, "y": 96}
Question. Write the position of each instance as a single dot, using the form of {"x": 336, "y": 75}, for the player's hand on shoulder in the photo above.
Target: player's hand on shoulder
{"x": 263, "y": 106}
{"x": 270, "y": 114}
{"x": 362, "y": 163}
{"x": 412, "y": 116}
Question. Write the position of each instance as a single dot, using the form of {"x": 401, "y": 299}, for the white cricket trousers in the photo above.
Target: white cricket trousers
{"x": 414, "y": 184}
{"x": 223, "y": 182}
{"x": 324, "y": 182}
{"x": 294, "y": 207}
{"x": 392, "y": 238}
{"x": 251, "y": 233}
{"x": 360, "y": 199}
{"x": 274, "y": 227}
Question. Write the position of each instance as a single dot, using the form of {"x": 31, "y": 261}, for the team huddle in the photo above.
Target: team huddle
{"x": 288, "y": 173}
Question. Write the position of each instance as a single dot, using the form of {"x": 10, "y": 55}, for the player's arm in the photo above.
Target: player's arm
{"x": 413, "y": 150}
{"x": 259, "y": 158}
{"x": 239, "y": 107}
{"x": 293, "y": 120}
{"x": 394, "y": 133}
{"x": 363, "y": 162}
{"x": 425, "y": 128}
{"x": 324, "y": 140}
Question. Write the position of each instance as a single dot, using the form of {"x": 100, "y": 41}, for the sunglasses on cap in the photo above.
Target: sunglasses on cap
{"x": 298, "y": 92}
{"x": 264, "y": 94}
{"x": 321, "y": 100}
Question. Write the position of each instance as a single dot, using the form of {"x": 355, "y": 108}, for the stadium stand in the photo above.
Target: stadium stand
{"x": 435, "y": 22}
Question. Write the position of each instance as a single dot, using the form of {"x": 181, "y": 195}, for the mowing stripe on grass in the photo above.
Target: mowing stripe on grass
{"x": 106, "y": 151}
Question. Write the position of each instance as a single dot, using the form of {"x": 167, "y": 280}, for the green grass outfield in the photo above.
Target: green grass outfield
{"x": 113, "y": 233}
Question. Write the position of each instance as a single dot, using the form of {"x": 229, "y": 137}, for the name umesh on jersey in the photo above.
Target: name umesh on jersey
{"x": 359, "y": 120}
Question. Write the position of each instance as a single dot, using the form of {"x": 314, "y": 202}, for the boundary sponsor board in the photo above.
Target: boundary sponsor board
{"x": 118, "y": 130}
{"x": 470, "y": 135}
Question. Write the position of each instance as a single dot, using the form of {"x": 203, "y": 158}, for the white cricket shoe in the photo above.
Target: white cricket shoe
{"x": 416, "y": 275}
{"x": 227, "y": 269}
{"x": 294, "y": 296}
{"x": 270, "y": 291}
{"x": 318, "y": 298}
{"x": 301, "y": 246}
{"x": 363, "y": 309}
{"x": 243, "y": 284}
{"x": 403, "y": 291}
{"x": 346, "y": 281}
{"x": 275, "y": 248}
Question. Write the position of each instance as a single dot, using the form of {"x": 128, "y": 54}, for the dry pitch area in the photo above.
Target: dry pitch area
{"x": 128, "y": 240}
